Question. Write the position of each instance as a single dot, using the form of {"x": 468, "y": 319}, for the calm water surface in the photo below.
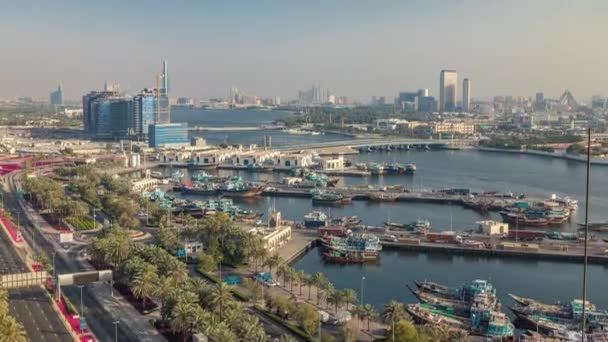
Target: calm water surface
{"x": 538, "y": 176}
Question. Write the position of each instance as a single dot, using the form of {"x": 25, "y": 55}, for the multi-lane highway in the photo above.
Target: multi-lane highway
{"x": 98, "y": 319}
{"x": 31, "y": 306}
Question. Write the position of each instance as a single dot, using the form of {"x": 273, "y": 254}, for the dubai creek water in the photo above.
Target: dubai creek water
{"x": 480, "y": 171}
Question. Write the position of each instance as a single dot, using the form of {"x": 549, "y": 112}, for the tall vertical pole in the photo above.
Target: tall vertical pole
{"x": 586, "y": 232}
{"x": 157, "y": 99}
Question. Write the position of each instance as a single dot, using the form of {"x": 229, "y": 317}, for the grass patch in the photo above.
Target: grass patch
{"x": 82, "y": 223}
{"x": 240, "y": 295}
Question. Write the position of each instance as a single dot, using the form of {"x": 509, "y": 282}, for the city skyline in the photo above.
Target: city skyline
{"x": 349, "y": 49}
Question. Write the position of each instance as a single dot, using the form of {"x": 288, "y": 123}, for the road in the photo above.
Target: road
{"x": 30, "y": 306}
{"x": 98, "y": 319}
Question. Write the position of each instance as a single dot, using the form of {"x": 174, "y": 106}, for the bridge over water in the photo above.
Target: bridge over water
{"x": 375, "y": 143}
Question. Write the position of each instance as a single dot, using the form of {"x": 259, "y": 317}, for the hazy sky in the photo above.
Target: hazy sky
{"x": 268, "y": 47}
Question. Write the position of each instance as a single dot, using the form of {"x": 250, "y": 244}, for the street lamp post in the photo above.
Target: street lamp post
{"x": 54, "y": 253}
{"x": 81, "y": 306}
{"x": 116, "y": 323}
{"x": 362, "y": 279}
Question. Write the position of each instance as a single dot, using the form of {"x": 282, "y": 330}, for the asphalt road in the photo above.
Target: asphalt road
{"x": 98, "y": 319}
{"x": 30, "y": 306}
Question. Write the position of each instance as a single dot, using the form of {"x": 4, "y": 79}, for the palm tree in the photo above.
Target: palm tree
{"x": 349, "y": 296}
{"x": 287, "y": 338}
{"x": 144, "y": 283}
{"x": 319, "y": 279}
{"x": 370, "y": 313}
{"x": 220, "y": 296}
{"x": 327, "y": 288}
{"x": 164, "y": 289}
{"x": 182, "y": 318}
{"x": 281, "y": 272}
{"x": 459, "y": 335}
{"x": 357, "y": 311}
{"x": 393, "y": 311}
{"x": 301, "y": 276}
{"x": 200, "y": 320}
{"x": 335, "y": 297}
{"x": 223, "y": 333}
{"x": 273, "y": 261}
{"x": 434, "y": 332}
{"x": 11, "y": 330}
{"x": 309, "y": 281}
{"x": 289, "y": 276}
{"x": 3, "y": 301}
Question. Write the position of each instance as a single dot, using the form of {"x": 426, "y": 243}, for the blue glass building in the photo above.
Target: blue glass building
{"x": 168, "y": 134}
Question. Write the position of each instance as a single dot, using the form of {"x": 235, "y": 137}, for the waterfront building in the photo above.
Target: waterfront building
{"x": 294, "y": 161}
{"x": 490, "y": 227}
{"x": 332, "y": 163}
{"x": 107, "y": 114}
{"x": 253, "y": 157}
{"x": 388, "y": 124}
{"x": 56, "y": 97}
{"x": 167, "y": 134}
{"x": 276, "y": 234}
{"x": 210, "y": 158}
{"x": 142, "y": 184}
{"x": 145, "y": 110}
{"x": 454, "y": 127}
{"x": 448, "y": 90}
{"x": 466, "y": 95}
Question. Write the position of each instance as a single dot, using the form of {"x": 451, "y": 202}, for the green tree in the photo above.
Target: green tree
{"x": 273, "y": 261}
{"x": 459, "y": 335}
{"x": 144, "y": 283}
{"x": 206, "y": 262}
{"x": 349, "y": 296}
{"x": 168, "y": 238}
{"x": 404, "y": 331}
{"x": 220, "y": 296}
{"x": 319, "y": 279}
{"x": 309, "y": 281}
{"x": 308, "y": 318}
{"x": 182, "y": 318}
{"x": 335, "y": 297}
{"x": 11, "y": 330}
{"x": 370, "y": 313}
{"x": 301, "y": 278}
{"x": 349, "y": 332}
{"x": 394, "y": 312}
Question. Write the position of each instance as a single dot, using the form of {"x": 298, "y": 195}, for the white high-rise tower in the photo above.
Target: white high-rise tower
{"x": 448, "y": 90}
{"x": 466, "y": 95}
{"x": 165, "y": 77}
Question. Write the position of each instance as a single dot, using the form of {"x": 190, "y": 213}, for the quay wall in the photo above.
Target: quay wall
{"x": 456, "y": 250}
{"x": 558, "y": 155}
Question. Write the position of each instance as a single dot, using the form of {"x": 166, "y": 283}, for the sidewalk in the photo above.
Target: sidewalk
{"x": 118, "y": 308}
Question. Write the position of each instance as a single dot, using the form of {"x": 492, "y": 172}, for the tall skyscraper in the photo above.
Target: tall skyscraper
{"x": 466, "y": 95}
{"x": 56, "y": 97}
{"x": 107, "y": 114}
{"x": 448, "y": 90}
{"x": 165, "y": 77}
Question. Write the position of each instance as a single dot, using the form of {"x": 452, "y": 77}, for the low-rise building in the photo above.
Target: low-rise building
{"x": 145, "y": 183}
{"x": 253, "y": 158}
{"x": 210, "y": 158}
{"x": 388, "y": 124}
{"x": 454, "y": 127}
{"x": 293, "y": 161}
{"x": 491, "y": 227}
{"x": 336, "y": 163}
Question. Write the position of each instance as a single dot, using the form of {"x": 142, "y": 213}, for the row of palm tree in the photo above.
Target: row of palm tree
{"x": 190, "y": 305}
{"x": 10, "y": 329}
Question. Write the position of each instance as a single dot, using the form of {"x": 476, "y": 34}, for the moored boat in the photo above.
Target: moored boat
{"x": 315, "y": 219}
{"x": 329, "y": 197}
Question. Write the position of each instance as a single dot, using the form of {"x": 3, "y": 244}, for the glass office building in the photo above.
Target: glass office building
{"x": 168, "y": 134}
